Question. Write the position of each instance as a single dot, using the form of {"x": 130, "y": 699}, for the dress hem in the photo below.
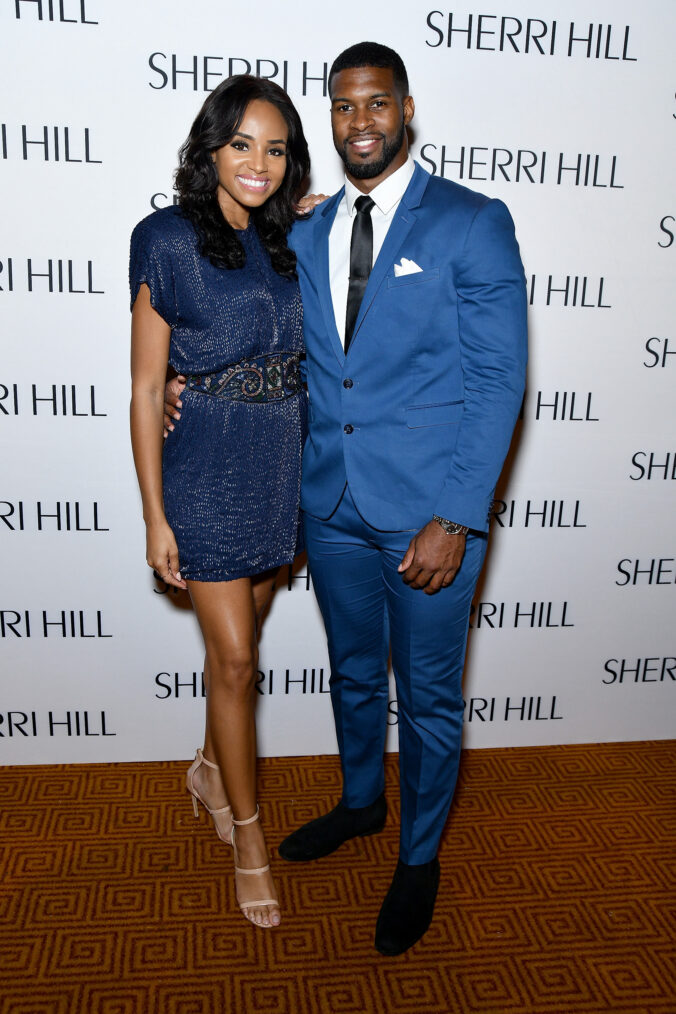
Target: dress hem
{"x": 208, "y": 577}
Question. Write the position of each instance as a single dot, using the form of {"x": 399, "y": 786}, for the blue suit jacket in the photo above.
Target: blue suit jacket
{"x": 437, "y": 362}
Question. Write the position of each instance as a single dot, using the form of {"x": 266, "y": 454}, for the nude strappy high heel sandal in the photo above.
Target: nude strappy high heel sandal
{"x": 222, "y": 817}
{"x": 255, "y": 902}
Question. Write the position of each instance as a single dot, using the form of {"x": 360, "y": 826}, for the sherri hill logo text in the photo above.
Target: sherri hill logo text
{"x": 490, "y": 33}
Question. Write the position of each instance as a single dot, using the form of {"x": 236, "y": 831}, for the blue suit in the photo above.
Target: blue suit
{"x": 415, "y": 420}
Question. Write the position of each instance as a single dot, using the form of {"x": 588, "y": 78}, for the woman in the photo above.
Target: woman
{"x": 214, "y": 293}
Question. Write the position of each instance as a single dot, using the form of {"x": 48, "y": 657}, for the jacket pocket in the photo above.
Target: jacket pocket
{"x": 434, "y": 415}
{"x": 415, "y": 278}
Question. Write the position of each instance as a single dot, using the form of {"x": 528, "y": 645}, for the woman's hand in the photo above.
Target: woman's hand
{"x": 162, "y": 553}
{"x": 308, "y": 203}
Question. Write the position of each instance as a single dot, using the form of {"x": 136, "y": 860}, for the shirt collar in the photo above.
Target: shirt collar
{"x": 387, "y": 194}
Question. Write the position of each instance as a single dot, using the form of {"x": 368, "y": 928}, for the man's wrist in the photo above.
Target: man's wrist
{"x": 450, "y": 527}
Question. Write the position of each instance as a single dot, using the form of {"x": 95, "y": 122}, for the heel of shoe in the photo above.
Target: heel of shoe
{"x": 222, "y": 816}
{"x": 375, "y": 829}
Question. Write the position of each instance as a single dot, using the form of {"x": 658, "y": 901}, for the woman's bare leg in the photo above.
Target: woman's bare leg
{"x": 227, "y": 616}
{"x": 208, "y": 781}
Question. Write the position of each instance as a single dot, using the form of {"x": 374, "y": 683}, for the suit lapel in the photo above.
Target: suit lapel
{"x": 327, "y": 213}
{"x": 403, "y": 221}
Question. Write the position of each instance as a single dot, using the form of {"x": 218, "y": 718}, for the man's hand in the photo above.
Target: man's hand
{"x": 172, "y": 402}
{"x": 308, "y": 203}
{"x": 432, "y": 559}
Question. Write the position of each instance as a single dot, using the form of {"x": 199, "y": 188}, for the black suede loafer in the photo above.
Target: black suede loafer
{"x": 324, "y": 835}
{"x": 408, "y": 908}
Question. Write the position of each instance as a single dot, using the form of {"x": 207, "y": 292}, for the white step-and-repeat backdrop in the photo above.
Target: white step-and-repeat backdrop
{"x": 567, "y": 111}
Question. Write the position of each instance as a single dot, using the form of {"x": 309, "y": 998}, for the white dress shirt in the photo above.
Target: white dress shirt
{"x": 386, "y": 196}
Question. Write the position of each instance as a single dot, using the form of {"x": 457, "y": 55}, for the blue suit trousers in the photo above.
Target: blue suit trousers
{"x": 368, "y": 610}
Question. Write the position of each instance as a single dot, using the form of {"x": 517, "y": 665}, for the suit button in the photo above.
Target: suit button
{"x": 348, "y": 428}
{"x": 347, "y": 383}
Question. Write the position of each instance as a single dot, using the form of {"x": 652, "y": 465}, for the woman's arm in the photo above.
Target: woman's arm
{"x": 150, "y": 336}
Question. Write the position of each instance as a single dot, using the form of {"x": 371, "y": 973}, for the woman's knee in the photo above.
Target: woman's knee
{"x": 233, "y": 669}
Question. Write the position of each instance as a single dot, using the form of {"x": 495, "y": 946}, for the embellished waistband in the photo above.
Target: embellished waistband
{"x": 272, "y": 377}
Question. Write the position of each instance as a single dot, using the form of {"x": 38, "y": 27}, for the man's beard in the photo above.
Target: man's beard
{"x": 368, "y": 170}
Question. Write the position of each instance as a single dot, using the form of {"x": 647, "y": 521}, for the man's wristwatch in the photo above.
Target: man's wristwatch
{"x": 450, "y": 527}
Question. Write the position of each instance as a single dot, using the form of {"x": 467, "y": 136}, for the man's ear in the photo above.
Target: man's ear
{"x": 409, "y": 109}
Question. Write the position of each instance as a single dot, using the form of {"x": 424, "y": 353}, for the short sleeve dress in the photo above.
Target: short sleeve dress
{"x": 231, "y": 468}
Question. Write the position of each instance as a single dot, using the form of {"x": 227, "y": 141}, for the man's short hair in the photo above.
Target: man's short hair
{"x": 371, "y": 54}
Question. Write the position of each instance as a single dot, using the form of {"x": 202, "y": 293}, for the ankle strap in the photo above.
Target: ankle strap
{"x": 202, "y": 759}
{"x": 250, "y": 820}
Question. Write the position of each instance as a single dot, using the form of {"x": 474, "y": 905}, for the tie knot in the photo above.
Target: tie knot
{"x": 364, "y": 204}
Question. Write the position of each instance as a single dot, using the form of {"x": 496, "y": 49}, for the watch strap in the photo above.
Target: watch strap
{"x": 450, "y": 527}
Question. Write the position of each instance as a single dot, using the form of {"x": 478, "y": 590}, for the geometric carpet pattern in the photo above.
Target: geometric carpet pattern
{"x": 558, "y": 893}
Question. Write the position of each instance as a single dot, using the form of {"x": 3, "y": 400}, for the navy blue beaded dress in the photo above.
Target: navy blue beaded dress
{"x": 231, "y": 468}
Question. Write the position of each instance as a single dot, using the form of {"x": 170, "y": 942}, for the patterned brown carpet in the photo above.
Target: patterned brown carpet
{"x": 558, "y": 894}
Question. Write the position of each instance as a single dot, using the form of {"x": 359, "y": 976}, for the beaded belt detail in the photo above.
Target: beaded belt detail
{"x": 261, "y": 378}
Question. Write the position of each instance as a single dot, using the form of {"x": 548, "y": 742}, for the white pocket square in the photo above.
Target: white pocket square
{"x": 406, "y": 267}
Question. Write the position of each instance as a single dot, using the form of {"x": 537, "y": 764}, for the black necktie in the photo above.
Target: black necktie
{"x": 361, "y": 260}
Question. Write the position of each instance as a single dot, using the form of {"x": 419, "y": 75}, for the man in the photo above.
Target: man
{"x": 415, "y": 325}
{"x": 415, "y": 328}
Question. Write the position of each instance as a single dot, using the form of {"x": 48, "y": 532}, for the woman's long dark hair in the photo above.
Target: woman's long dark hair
{"x": 197, "y": 180}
